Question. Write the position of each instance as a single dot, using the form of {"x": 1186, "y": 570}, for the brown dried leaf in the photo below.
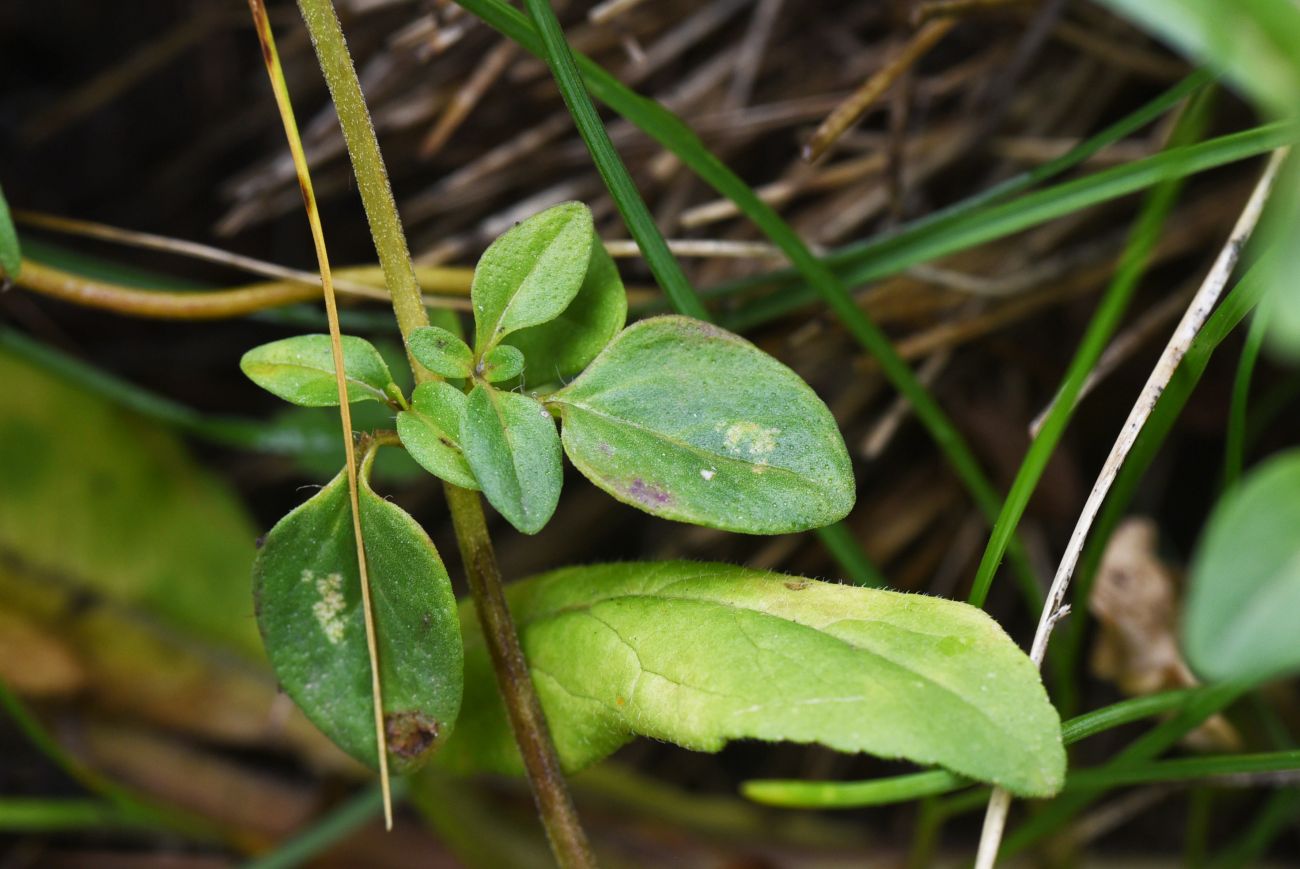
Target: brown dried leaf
{"x": 1135, "y": 600}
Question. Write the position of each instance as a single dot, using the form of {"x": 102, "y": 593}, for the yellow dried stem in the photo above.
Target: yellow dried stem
{"x": 274, "y": 70}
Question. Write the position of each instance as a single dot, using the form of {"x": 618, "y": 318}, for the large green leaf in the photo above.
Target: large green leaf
{"x": 430, "y": 431}
{"x": 1240, "y": 620}
{"x": 530, "y": 274}
{"x": 561, "y": 348}
{"x": 301, "y": 370}
{"x": 309, "y": 609}
{"x": 690, "y": 422}
{"x": 700, "y": 654}
{"x": 514, "y": 452}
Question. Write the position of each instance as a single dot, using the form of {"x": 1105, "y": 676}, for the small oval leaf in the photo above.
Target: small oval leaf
{"x": 441, "y": 352}
{"x": 560, "y": 349}
{"x": 301, "y": 370}
{"x": 530, "y": 274}
{"x": 430, "y": 431}
{"x": 514, "y": 451}
{"x": 690, "y": 422}
{"x": 308, "y": 593}
{"x": 701, "y": 654}
{"x": 502, "y": 362}
{"x": 1244, "y": 594}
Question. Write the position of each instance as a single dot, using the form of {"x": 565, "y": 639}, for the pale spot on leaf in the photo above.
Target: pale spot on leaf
{"x": 329, "y": 609}
{"x": 752, "y": 439}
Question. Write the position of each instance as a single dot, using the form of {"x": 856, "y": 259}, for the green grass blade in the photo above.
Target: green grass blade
{"x": 879, "y": 259}
{"x": 335, "y": 826}
{"x": 1150, "y": 745}
{"x": 1278, "y": 815}
{"x": 1184, "y": 769}
{"x": 227, "y": 431}
{"x": 904, "y": 788}
{"x": 1132, "y": 267}
{"x": 846, "y": 550}
{"x": 663, "y": 265}
{"x": 936, "y": 220}
{"x": 27, "y": 816}
{"x": 1234, "y": 442}
{"x": 667, "y": 129}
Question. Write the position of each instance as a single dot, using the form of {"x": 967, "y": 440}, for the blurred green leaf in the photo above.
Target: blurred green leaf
{"x": 309, "y": 609}
{"x": 105, "y": 517}
{"x": 559, "y": 349}
{"x": 689, "y": 422}
{"x": 514, "y": 451}
{"x": 441, "y": 352}
{"x": 430, "y": 431}
{"x": 1254, "y": 43}
{"x": 1239, "y": 622}
{"x": 301, "y": 370}
{"x": 701, "y": 654}
{"x": 94, "y": 495}
{"x": 530, "y": 274}
{"x": 11, "y": 254}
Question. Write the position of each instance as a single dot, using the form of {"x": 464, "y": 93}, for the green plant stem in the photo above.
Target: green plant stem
{"x": 1132, "y": 266}
{"x": 672, "y": 133}
{"x": 554, "y": 804}
{"x": 526, "y": 716}
{"x": 1234, "y": 442}
{"x": 332, "y": 828}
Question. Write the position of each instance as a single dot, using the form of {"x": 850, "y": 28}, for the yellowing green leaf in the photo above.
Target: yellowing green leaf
{"x": 441, "y": 352}
{"x": 309, "y": 609}
{"x": 1240, "y": 619}
{"x": 430, "y": 431}
{"x": 530, "y": 274}
{"x": 511, "y": 444}
{"x": 701, "y": 654}
{"x": 690, "y": 422}
{"x": 301, "y": 370}
{"x": 561, "y": 348}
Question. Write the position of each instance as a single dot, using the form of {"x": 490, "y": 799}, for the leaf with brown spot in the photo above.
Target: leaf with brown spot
{"x": 309, "y": 610}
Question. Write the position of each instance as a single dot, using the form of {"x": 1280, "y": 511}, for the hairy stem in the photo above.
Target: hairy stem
{"x": 568, "y": 841}
{"x": 526, "y": 718}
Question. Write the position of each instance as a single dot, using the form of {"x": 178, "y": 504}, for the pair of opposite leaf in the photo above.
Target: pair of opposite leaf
{"x": 676, "y": 417}
{"x": 671, "y": 415}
